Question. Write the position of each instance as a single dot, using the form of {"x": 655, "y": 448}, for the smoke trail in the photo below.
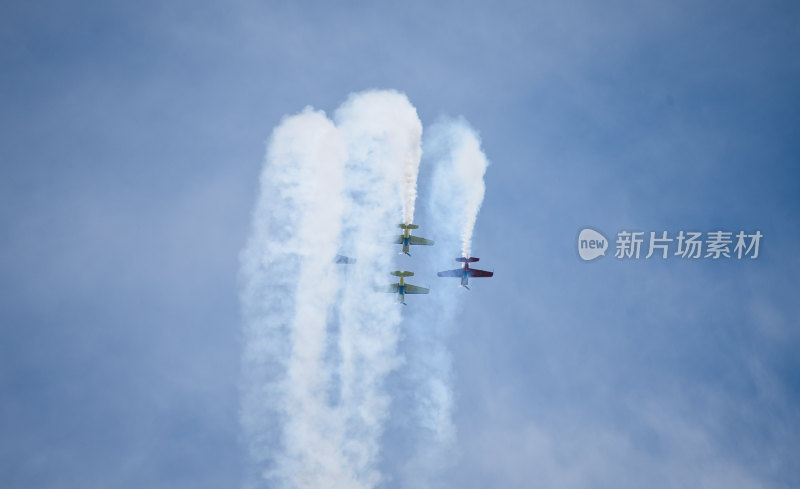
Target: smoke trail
{"x": 383, "y": 136}
{"x": 314, "y": 419}
{"x": 413, "y": 129}
{"x": 459, "y": 177}
{"x": 454, "y": 198}
{"x": 288, "y": 286}
{"x": 386, "y": 124}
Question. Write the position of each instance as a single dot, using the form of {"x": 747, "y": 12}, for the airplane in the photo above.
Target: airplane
{"x": 401, "y": 288}
{"x": 406, "y": 239}
{"x": 343, "y": 260}
{"x": 465, "y": 272}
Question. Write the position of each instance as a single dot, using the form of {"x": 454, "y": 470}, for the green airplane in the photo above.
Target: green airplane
{"x": 407, "y": 240}
{"x": 401, "y": 288}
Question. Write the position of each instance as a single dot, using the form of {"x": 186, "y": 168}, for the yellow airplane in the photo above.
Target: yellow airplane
{"x": 401, "y": 288}
{"x": 407, "y": 240}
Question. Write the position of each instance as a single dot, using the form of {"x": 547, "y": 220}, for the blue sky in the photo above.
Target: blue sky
{"x": 131, "y": 139}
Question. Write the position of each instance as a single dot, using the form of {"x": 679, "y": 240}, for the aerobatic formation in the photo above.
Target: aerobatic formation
{"x": 401, "y": 288}
{"x": 321, "y": 334}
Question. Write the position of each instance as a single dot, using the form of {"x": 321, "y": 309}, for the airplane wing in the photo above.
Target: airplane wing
{"x": 398, "y": 240}
{"x": 413, "y": 289}
{"x": 479, "y": 273}
{"x": 419, "y": 241}
{"x": 387, "y": 288}
{"x": 451, "y": 273}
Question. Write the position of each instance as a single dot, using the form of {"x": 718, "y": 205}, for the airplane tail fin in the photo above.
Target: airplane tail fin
{"x": 464, "y": 260}
{"x": 408, "y": 226}
{"x": 398, "y": 273}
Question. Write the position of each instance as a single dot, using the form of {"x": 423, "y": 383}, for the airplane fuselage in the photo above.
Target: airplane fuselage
{"x": 401, "y": 290}
{"x": 406, "y": 244}
{"x": 465, "y": 275}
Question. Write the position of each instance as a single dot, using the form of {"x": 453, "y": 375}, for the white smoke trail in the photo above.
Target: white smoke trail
{"x": 307, "y": 427}
{"x": 411, "y": 164}
{"x": 459, "y": 177}
{"x": 289, "y": 285}
{"x": 385, "y": 124}
{"x": 455, "y": 195}
{"x": 383, "y": 135}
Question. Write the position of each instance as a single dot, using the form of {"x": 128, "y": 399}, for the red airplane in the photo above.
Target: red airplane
{"x": 465, "y": 272}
